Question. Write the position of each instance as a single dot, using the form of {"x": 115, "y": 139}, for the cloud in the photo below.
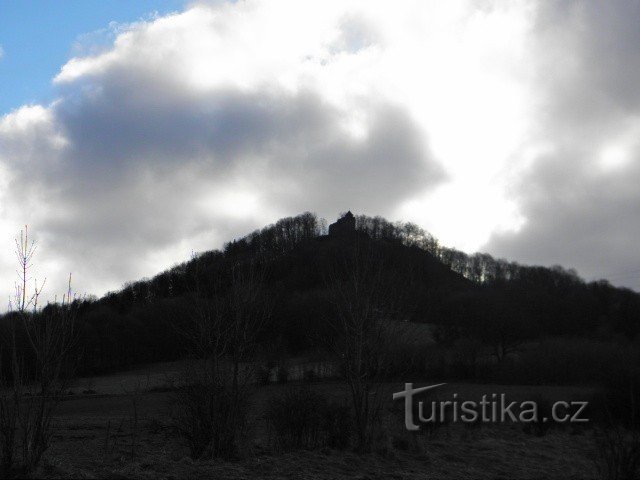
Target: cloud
{"x": 578, "y": 194}
{"x": 198, "y": 127}
{"x": 181, "y": 132}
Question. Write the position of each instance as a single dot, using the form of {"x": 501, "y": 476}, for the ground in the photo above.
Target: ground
{"x": 98, "y": 436}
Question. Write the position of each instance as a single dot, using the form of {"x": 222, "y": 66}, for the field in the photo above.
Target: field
{"x": 123, "y": 430}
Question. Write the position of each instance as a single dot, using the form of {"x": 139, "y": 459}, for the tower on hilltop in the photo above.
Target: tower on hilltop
{"x": 345, "y": 225}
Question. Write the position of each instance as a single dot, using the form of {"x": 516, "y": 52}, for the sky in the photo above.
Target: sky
{"x": 135, "y": 133}
{"x": 39, "y": 36}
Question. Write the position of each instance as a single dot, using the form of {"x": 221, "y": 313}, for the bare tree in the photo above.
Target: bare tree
{"x": 211, "y": 405}
{"x": 37, "y": 364}
{"x": 367, "y": 324}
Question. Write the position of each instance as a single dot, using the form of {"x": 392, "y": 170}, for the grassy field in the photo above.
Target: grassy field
{"x": 97, "y": 435}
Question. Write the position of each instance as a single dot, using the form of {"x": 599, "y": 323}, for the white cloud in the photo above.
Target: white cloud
{"x": 579, "y": 197}
{"x": 195, "y": 127}
{"x": 199, "y": 126}
{"x": 445, "y": 65}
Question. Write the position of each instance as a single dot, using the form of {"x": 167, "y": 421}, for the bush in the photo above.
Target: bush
{"x": 618, "y": 453}
{"x": 563, "y": 361}
{"x": 263, "y": 375}
{"x": 305, "y": 419}
{"x": 309, "y": 375}
{"x": 282, "y": 374}
{"x": 154, "y": 425}
{"x": 427, "y": 408}
{"x": 618, "y": 438}
{"x": 430, "y": 411}
{"x": 622, "y": 396}
{"x": 541, "y": 425}
{"x": 210, "y": 418}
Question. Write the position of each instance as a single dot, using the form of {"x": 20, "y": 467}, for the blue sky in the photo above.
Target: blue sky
{"x": 38, "y": 37}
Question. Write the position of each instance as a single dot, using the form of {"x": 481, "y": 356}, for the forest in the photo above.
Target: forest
{"x": 473, "y": 298}
{"x": 354, "y": 309}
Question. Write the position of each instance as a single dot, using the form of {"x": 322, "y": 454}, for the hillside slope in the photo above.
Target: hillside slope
{"x": 497, "y": 301}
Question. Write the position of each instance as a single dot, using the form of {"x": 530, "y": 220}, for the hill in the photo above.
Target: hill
{"x": 499, "y": 303}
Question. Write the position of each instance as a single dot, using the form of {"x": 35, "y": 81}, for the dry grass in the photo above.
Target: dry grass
{"x": 84, "y": 449}
{"x": 499, "y": 452}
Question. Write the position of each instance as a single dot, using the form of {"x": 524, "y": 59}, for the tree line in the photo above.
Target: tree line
{"x": 501, "y": 302}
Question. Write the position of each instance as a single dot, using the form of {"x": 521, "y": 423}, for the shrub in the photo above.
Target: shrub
{"x": 618, "y": 453}
{"x": 618, "y": 436}
{"x": 427, "y": 408}
{"x": 154, "y": 426}
{"x": 309, "y": 375}
{"x": 263, "y": 375}
{"x": 210, "y": 418}
{"x": 622, "y": 396}
{"x": 542, "y": 423}
{"x": 563, "y": 361}
{"x": 301, "y": 418}
{"x": 282, "y": 374}
{"x": 431, "y": 412}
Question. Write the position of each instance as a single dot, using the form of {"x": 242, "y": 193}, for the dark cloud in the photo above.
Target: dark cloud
{"x": 142, "y": 154}
{"x": 295, "y": 143}
{"x": 199, "y": 127}
{"x": 579, "y": 210}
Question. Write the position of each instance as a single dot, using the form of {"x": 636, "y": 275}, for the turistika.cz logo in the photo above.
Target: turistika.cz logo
{"x": 495, "y": 409}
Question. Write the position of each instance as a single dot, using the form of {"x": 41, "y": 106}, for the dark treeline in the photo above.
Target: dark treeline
{"x": 499, "y": 303}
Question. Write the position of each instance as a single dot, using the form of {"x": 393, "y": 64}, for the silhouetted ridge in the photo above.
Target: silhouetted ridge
{"x": 460, "y": 295}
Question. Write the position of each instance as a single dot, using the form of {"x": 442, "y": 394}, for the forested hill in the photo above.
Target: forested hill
{"x": 464, "y": 295}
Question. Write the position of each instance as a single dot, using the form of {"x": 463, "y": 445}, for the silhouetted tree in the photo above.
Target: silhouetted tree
{"x": 40, "y": 346}
{"x": 365, "y": 318}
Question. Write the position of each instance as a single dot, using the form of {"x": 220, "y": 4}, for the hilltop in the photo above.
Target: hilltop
{"x": 500, "y": 303}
